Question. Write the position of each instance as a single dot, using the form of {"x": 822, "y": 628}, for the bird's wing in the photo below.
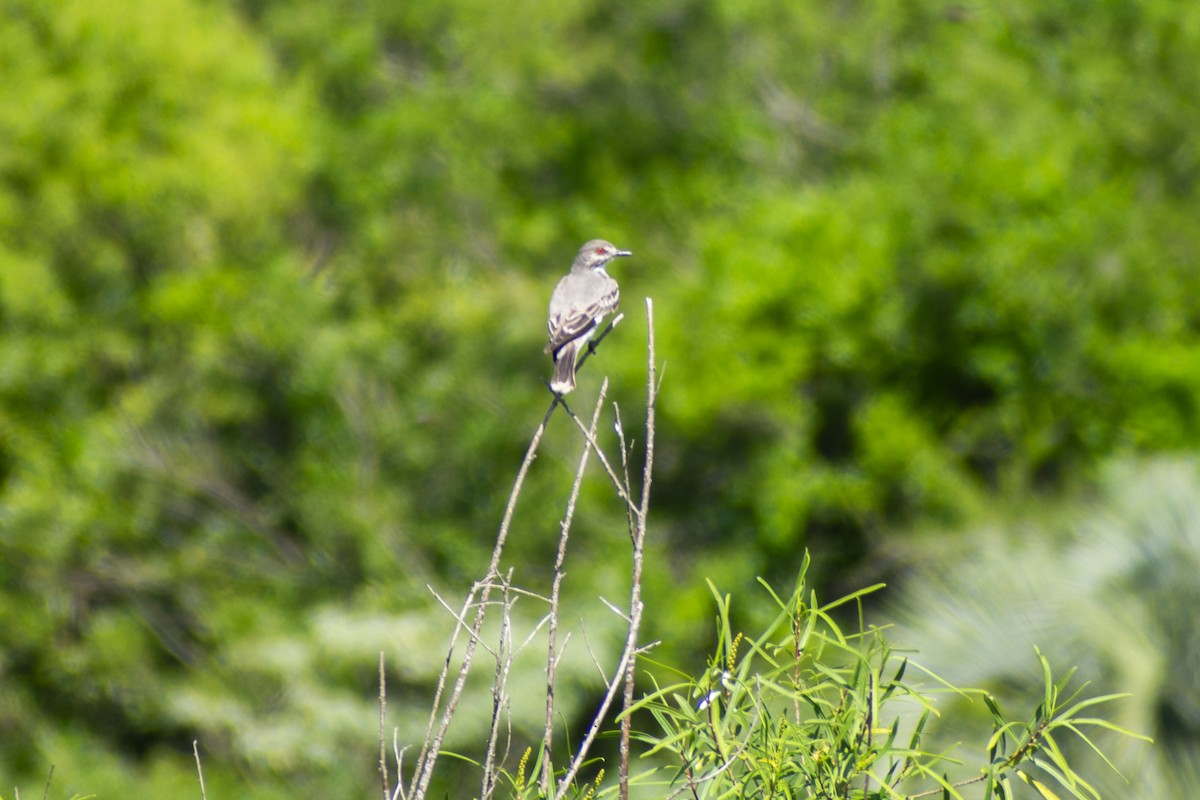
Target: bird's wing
{"x": 575, "y": 322}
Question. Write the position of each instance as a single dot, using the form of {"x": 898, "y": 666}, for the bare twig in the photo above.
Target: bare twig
{"x": 441, "y": 687}
{"x": 50, "y": 776}
{"x": 398, "y": 753}
{"x": 625, "y": 667}
{"x": 504, "y": 657}
{"x": 593, "y": 343}
{"x": 199, "y": 769}
{"x": 440, "y": 718}
{"x": 547, "y": 775}
{"x": 622, "y": 490}
{"x": 461, "y": 618}
{"x": 432, "y": 747}
{"x": 383, "y": 770}
{"x": 629, "y": 510}
{"x": 596, "y": 340}
{"x": 564, "y": 785}
{"x": 639, "y": 540}
{"x": 595, "y": 661}
{"x": 959, "y": 784}
{"x": 613, "y": 608}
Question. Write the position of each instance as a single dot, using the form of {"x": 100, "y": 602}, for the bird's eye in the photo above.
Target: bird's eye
{"x": 600, "y": 250}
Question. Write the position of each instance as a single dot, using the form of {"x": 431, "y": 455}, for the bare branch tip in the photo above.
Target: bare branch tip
{"x": 199, "y": 770}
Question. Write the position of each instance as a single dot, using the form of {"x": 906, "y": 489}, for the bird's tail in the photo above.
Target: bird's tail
{"x": 564, "y": 369}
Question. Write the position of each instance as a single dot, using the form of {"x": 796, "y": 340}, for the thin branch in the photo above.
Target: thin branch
{"x": 612, "y": 475}
{"x": 504, "y": 658}
{"x": 432, "y": 748}
{"x": 460, "y": 618}
{"x": 1017, "y": 757}
{"x": 629, "y": 510}
{"x": 595, "y": 661}
{"x": 639, "y": 541}
{"x": 625, "y": 668}
{"x": 383, "y": 770}
{"x": 441, "y": 685}
{"x": 651, "y": 400}
{"x": 398, "y": 753}
{"x": 199, "y": 769}
{"x": 940, "y": 790}
{"x": 533, "y": 633}
{"x": 560, "y": 558}
{"x": 436, "y": 731}
{"x": 594, "y": 728}
{"x": 562, "y": 650}
{"x": 595, "y": 341}
{"x": 613, "y": 608}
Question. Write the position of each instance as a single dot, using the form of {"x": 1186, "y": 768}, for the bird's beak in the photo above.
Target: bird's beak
{"x": 623, "y": 253}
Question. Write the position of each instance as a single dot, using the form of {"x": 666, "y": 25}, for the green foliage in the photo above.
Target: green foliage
{"x": 806, "y": 710}
{"x": 981, "y": 263}
{"x": 272, "y": 283}
{"x": 1063, "y": 584}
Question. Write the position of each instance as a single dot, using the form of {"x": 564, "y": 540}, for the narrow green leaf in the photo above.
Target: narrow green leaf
{"x": 1048, "y": 683}
{"x": 1040, "y": 787}
{"x": 1095, "y": 749}
{"x": 852, "y": 596}
{"x": 1074, "y": 784}
{"x": 778, "y": 600}
{"x": 1103, "y": 723}
{"x": 1092, "y": 701}
{"x": 998, "y": 736}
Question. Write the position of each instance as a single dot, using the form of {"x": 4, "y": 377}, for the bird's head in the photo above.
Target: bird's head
{"x": 596, "y": 253}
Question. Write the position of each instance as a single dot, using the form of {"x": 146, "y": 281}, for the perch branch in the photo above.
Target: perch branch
{"x": 552, "y": 635}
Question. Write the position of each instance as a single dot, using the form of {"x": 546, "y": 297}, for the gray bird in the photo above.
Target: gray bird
{"x": 581, "y": 300}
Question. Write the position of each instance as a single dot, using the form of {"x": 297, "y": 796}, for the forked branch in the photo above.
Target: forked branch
{"x": 447, "y": 697}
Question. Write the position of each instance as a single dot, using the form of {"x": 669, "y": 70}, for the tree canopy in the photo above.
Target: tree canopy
{"x": 272, "y": 295}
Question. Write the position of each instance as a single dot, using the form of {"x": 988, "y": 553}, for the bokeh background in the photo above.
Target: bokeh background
{"x": 273, "y": 279}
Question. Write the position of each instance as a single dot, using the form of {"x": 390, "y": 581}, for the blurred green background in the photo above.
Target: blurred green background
{"x": 273, "y": 279}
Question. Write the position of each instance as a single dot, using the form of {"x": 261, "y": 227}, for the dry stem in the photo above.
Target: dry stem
{"x": 479, "y": 595}
{"x": 639, "y": 540}
{"x": 552, "y": 634}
